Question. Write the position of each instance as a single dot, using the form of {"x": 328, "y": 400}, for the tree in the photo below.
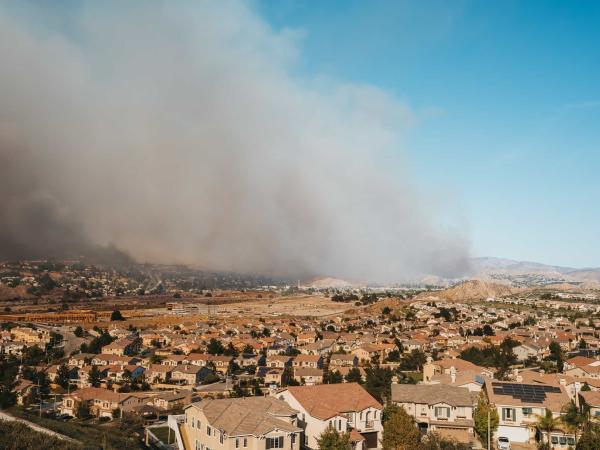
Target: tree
{"x": 78, "y": 332}
{"x": 400, "y": 432}
{"x": 556, "y": 354}
{"x": 215, "y": 347}
{"x": 94, "y": 377}
{"x": 354, "y": 376}
{"x": 7, "y": 383}
{"x": 63, "y": 376}
{"x": 590, "y": 438}
{"x": 82, "y": 411}
{"x": 413, "y": 361}
{"x": 331, "y": 439}
{"x": 388, "y": 411}
{"x": 334, "y": 377}
{"x": 116, "y": 316}
{"x": 488, "y": 330}
{"x": 378, "y": 382}
{"x": 582, "y": 344}
{"x": 481, "y": 419}
{"x": 573, "y": 418}
{"x": 248, "y": 350}
{"x": 231, "y": 350}
{"x": 44, "y": 383}
{"x": 546, "y": 424}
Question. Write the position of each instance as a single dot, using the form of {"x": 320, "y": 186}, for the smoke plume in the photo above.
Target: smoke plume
{"x": 179, "y": 132}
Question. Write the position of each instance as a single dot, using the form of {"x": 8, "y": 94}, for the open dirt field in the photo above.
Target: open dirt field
{"x": 313, "y": 306}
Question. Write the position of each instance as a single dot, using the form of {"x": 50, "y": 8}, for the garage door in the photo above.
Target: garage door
{"x": 514, "y": 434}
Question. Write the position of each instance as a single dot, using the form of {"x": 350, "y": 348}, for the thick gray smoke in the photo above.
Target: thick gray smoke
{"x": 177, "y": 132}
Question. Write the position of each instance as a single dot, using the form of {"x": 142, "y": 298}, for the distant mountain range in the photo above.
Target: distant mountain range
{"x": 526, "y": 273}
{"x": 509, "y": 272}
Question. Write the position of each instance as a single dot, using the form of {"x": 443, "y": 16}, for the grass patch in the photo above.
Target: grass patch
{"x": 415, "y": 376}
{"x": 162, "y": 433}
{"x": 18, "y": 436}
{"x": 92, "y": 435}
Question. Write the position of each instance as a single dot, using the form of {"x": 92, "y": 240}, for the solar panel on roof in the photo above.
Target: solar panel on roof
{"x": 525, "y": 392}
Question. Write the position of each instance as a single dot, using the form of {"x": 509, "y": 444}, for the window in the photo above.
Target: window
{"x": 460, "y": 411}
{"x": 441, "y": 412}
{"x": 339, "y": 424}
{"x": 221, "y": 437}
{"x": 508, "y": 414}
{"x": 198, "y": 445}
{"x": 237, "y": 443}
{"x": 199, "y": 425}
{"x": 293, "y": 438}
{"x": 570, "y": 440}
{"x": 562, "y": 440}
{"x": 207, "y": 430}
{"x": 527, "y": 412}
{"x": 245, "y": 442}
{"x": 276, "y": 442}
{"x": 554, "y": 439}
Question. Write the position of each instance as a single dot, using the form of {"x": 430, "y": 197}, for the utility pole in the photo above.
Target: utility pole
{"x": 489, "y": 433}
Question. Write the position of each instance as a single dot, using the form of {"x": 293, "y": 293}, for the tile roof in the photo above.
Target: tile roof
{"x": 432, "y": 394}
{"x": 328, "y": 400}
{"x": 552, "y": 401}
{"x": 247, "y": 415}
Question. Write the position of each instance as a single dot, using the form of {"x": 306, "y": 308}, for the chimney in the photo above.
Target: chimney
{"x": 452, "y": 374}
{"x": 394, "y": 379}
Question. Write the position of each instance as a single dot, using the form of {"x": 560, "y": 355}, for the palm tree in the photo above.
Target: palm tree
{"x": 546, "y": 424}
{"x": 573, "y": 418}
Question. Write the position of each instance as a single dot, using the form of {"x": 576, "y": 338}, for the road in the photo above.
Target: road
{"x": 8, "y": 417}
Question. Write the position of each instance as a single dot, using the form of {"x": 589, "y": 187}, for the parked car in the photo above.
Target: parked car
{"x": 503, "y": 443}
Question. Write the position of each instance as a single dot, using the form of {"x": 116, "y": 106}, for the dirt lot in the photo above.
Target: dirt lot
{"x": 307, "y": 305}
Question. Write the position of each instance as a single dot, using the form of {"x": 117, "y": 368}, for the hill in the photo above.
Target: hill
{"x": 469, "y": 290}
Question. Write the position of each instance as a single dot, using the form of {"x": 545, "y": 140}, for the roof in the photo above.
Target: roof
{"x": 520, "y": 394}
{"x": 432, "y": 394}
{"x": 328, "y": 400}
{"x": 579, "y": 361}
{"x": 247, "y": 415}
{"x": 592, "y": 398}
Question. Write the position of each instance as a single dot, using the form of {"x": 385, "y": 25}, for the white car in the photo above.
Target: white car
{"x": 503, "y": 443}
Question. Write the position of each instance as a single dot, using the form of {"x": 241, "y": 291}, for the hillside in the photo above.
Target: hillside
{"x": 470, "y": 290}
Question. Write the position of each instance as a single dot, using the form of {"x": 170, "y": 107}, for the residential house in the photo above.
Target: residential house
{"x": 250, "y": 423}
{"x": 446, "y": 410}
{"x": 520, "y": 404}
{"x": 346, "y": 407}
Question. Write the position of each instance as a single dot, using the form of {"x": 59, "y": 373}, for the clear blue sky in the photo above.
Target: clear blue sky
{"x": 515, "y": 87}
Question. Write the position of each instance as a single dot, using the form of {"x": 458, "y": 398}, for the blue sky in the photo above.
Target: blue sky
{"x": 509, "y": 99}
